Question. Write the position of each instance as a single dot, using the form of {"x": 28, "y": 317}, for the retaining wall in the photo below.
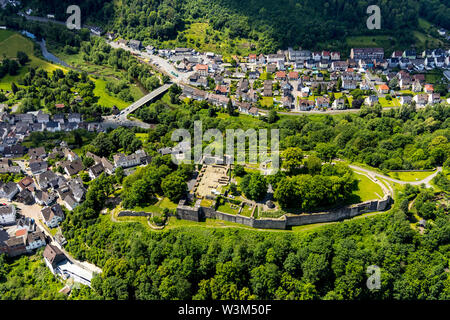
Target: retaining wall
{"x": 133, "y": 214}
{"x": 198, "y": 213}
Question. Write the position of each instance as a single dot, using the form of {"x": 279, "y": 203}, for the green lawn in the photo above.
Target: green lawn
{"x": 10, "y": 44}
{"x": 157, "y": 207}
{"x": 247, "y": 211}
{"x": 411, "y": 175}
{"x": 105, "y": 99}
{"x": 389, "y": 103}
{"x": 266, "y": 101}
{"x": 368, "y": 190}
{"x": 242, "y": 121}
{"x": 226, "y": 208}
{"x": 5, "y": 34}
{"x": 433, "y": 76}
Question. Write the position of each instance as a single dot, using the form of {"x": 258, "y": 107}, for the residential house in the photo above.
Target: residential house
{"x": 37, "y": 153}
{"x": 293, "y": 75}
{"x": 383, "y": 89}
{"x": 416, "y": 86}
{"x": 405, "y": 100}
{"x": 371, "y": 100}
{"x": 43, "y": 198}
{"x": 434, "y": 98}
{"x": 9, "y": 190}
{"x": 271, "y": 68}
{"x": 70, "y": 155}
{"x": 53, "y": 126}
{"x": 42, "y": 117}
{"x": 7, "y": 215}
{"x": 72, "y": 167}
{"x": 268, "y": 86}
{"x": 349, "y": 84}
{"x": 218, "y": 100}
{"x": 335, "y": 56}
{"x": 74, "y": 118}
{"x": 48, "y": 179}
{"x": 324, "y": 64}
{"x": 70, "y": 202}
{"x": 52, "y": 257}
{"x": 428, "y": 88}
{"x": 253, "y": 111}
{"x": 280, "y": 75}
{"x": 52, "y": 215}
{"x": 339, "y": 65}
{"x": 367, "y": 53}
{"x": 95, "y": 171}
{"x": 273, "y": 58}
{"x": 26, "y": 183}
{"x": 405, "y": 83}
{"x": 35, "y": 240}
{"x": 221, "y": 90}
{"x": 202, "y": 69}
{"x": 305, "y": 104}
{"x": 322, "y": 103}
{"x": 338, "y": 104}
{"x": 421, "y": 99}
{"x": 38, "y": 166}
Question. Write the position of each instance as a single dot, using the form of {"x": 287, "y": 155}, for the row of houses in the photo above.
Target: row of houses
{"x": 18, "y": 235}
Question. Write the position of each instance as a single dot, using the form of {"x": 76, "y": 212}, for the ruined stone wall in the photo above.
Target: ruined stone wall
{"x": 133, "y": 214}
{"x": 198, "y": 213}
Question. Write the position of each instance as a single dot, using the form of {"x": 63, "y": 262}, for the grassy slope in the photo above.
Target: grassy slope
{"x": 368, "y": 190}
{"x": 11, "y": 43}
{"x": 200, "y": 36}
{"x": 9, "y": 46}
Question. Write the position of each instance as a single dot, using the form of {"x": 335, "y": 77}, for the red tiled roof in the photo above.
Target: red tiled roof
{"x": 281, "y": 74}
{"x": 293, "y": 75}
{"x": 21, "y": 232}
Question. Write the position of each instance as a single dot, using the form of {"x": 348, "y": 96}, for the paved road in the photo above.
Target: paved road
{"x": 157, "y": 62}
{"x": 374, "y": 174}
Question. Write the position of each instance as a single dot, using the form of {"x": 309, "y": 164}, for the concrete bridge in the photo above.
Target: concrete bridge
{"x": 142, "y": 101}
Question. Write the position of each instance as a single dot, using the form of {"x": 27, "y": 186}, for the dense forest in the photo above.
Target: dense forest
{"x": 330, "y": 263}
{"x": 271, "y": 24}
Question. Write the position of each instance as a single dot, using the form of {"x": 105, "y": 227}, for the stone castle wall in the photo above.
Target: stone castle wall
{"x": 198, "y": 213}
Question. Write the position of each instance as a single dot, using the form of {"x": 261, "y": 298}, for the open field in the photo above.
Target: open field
{"x": 389, "y": 103}
{"x": 410, "y": 175}
{"x": 157, "y": 207}
{"x": 368, "y": 190}
{"x": 13, "y": 42}
{"x": 105, "y": 99}
{"x": 10, "y": 44}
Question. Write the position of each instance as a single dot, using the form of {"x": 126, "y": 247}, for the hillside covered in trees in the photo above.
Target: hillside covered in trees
{"x": 266, "y": 24}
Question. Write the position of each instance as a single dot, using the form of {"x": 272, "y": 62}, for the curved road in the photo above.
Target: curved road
{"x": 374, "y": 174}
